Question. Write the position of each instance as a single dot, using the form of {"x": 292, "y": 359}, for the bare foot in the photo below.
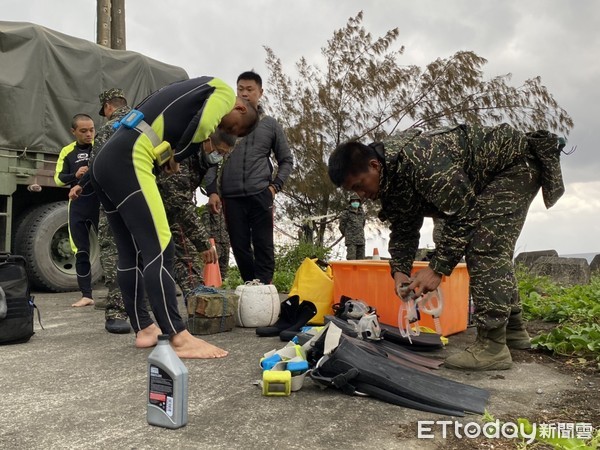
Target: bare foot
{"x": 148, "y": 337}
{"x": 83, "y": 301}
{"x": 188, "y": 346}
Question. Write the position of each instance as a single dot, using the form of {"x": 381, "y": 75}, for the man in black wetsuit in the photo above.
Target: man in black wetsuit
{"x": 180, "y": 116}
{"x": 113, "y": 106}
{"x": 72, "y": 164}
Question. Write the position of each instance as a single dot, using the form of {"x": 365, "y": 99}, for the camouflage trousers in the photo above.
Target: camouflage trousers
{"x": 187, "y": 265}
{"x": 502, "y": 206}
{"x": 223, "y": 252}
{"x": 354, "y": 251}
{"x": 115, "y": 308}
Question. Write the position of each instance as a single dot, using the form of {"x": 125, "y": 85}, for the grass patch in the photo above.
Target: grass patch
{"x": 576, "y": 310}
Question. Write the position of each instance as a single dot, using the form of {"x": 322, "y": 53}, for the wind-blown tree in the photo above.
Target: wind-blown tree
{"x": 363, "y": 92}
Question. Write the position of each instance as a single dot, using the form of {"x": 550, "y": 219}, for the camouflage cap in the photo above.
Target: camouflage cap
{"x": 107, "y": 95}
{"x": 354, "y": 197}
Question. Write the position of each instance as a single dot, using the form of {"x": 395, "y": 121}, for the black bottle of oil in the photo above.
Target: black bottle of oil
{"x": 167, "y": 387}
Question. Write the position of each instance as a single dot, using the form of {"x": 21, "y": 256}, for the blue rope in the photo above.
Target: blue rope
{"x": 222, "y": 328}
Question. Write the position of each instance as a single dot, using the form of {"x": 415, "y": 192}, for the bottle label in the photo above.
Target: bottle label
{"x": 160, "y": 392}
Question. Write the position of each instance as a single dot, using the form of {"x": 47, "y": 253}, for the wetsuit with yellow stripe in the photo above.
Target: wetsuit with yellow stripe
{"x": 83, "y": 213}
{"x": 184, "y": 114}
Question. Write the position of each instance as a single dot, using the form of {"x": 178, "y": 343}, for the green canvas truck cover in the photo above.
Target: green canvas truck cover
{"x": 46, "y": 77}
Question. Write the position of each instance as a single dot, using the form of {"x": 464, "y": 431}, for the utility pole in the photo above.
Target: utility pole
{"x": 117, "y": 29}
{"x": 103, "y": 22}
{"x": 110, "y": 30}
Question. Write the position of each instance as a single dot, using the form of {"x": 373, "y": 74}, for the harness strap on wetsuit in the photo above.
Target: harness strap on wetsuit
{"x": 146, "y": 129}
{"x": 135, "y": 120}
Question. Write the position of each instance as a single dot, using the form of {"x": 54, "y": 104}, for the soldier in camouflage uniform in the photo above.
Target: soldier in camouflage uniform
{"x": 217, "y": 229}
{"x": 480, "y": 181}
{"x": 190, "y": 236}
{"x": 352, "y": 227}
{"x": 113, "y": 106}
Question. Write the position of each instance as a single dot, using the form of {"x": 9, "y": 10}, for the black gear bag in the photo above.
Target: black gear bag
{"x": 16, "y": 302}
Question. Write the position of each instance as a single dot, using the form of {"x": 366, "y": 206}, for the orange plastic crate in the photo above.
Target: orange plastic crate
{"x": 371, "y": 282}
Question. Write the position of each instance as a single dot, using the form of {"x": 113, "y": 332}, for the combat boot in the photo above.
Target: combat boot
{"x": 117, "y": 325}
{"x": 489, "y": 352}
{"x": 100, "y": 304}
{"x": 516, "y": 334}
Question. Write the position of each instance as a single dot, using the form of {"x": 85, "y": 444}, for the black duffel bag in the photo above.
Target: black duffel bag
{"x": 16, "y": 302}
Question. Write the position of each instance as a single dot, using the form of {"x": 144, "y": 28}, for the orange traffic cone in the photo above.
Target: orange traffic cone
{"x": 212, "y": 273}
{"x": 376, "y": 253}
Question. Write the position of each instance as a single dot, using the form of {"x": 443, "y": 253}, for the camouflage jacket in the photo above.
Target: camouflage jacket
{"x": 352, "y": 225}
{"x": 439, "y": 174}
{"x": 178, "y": 194}
{"x": 104, "y": 133}
{"x": 107, "y": 130}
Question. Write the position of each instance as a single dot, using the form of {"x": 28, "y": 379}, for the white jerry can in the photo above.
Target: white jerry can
{"x": 258, "y": 304}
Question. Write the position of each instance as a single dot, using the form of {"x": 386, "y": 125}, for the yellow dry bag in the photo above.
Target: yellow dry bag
{"x": 314, "y": 282}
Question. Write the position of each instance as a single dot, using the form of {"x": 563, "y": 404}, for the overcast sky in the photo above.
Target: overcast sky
{"x": 557, "y": 40}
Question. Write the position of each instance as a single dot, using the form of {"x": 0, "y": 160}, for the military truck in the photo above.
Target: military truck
{"x": 46, "y": 78}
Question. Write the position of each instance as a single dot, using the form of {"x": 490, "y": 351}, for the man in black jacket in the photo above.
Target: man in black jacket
{"x": 247, "y": 184}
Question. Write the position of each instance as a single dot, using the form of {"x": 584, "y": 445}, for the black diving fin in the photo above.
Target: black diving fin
{"x": 391, "y": 347}
{"x": 420, "y": 363}
{"x": 422, "y": 343}
{"x": 356, "y": 370}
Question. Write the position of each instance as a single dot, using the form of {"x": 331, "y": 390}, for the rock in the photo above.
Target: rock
{"x": 595, "y": 264}
{"x": 564, "y": 271}
{"x": 528, "y": 258}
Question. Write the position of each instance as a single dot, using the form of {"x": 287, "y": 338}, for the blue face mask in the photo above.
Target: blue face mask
{"x": 214, "y": 158}
{"x": 355, "y": 204}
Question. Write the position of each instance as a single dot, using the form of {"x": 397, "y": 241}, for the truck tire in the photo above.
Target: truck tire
{"x": 42, "y": 238}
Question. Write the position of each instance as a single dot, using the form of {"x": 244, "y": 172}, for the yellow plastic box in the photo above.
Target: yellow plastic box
{"x": 371, "y": 282}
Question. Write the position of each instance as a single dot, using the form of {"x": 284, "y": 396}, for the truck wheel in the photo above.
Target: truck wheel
{"x": 42, "y": 238}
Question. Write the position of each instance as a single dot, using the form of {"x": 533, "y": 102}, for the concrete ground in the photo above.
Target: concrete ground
{"x": 73, "y": 385}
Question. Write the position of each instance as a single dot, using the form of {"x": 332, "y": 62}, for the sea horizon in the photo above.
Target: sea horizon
{"x": 588, "y": 256}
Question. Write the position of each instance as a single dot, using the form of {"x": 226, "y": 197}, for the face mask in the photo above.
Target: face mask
{"x": 355, "y": 204}
{"x": 214, "y": 158}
